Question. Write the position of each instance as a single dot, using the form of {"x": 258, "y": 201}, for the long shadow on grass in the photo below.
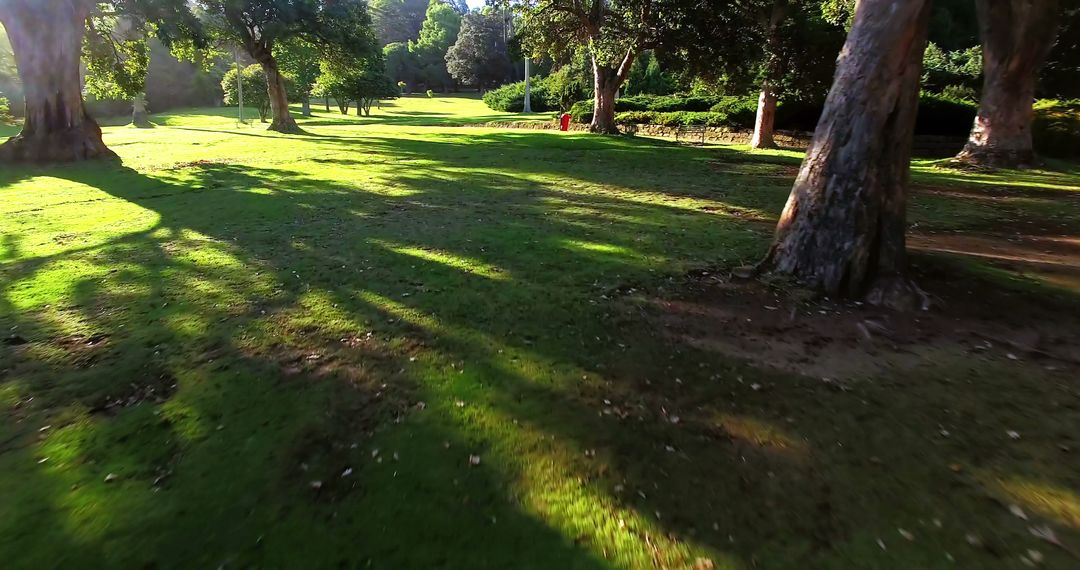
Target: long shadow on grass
{"x": 496, "y": 273}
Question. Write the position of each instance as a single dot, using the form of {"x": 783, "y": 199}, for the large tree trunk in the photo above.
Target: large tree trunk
{"x": 765, "y": 121}
{"x": 1017, "y": 36}
{"x": 281, "y": 121}
{"x": 606, "y": 83}
{"x": 46, "y": 38}
{"x": 262, "y": 51}
{"x": 842, "y": 230}
{"x": 305, "y": 102}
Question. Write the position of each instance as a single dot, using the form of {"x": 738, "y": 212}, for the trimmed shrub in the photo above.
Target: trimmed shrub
{"x": 5, "y": 111}
{"x": 581, "y": 112}
{"x": 511, "y": 97}
{"x": 737, "y": 111}
{"x": 1056, "y": 129}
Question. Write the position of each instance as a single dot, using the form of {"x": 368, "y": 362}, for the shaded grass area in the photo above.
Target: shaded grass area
{"x": 289, "y": 351}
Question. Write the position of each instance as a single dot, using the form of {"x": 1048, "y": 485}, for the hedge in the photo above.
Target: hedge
{"x": 938, "y": 115}
{"x": 511, "y": 97}
{"x": 1056, "y": 129}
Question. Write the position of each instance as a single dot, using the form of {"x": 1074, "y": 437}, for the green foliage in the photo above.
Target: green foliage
{"x": 401, "y": 64}
{"x": 397, "y": 20}
{"x": 299, "y": 60}
{"x": 438, "y": 32}
{"x": 117, "y": 55}
{"x": 582, "y": 111}
{"x": 952, "y": 69}
{"x": 647, "y": 77}
{"x": 566, "y": 85}
{"x": 5, "y": 111}
{"x": 363, "y": 81}
{"x": 1056, "y": 128}
{"x": 479, "y": 55}
{"x": 511, "y": 97}
{"x": 253, "y": 82}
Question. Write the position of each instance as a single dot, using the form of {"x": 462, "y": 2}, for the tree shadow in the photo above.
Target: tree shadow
{"x": 480, "y": 304}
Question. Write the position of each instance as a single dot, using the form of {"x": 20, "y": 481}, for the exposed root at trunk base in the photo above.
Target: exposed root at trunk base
{"x": 70, "y": 145}
{"x": 288, "y": 127}
{"x": 987, "y": 158}
{"x": 896, "y": 292}
{"x": 899, "y": 294}
{"x": 604, "y": 130}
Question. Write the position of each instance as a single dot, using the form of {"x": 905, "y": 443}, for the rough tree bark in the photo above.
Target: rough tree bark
{"x": 1017, "y": 36}
{"x": 46, "y": 38}
{"x": 765, "y": 120}
{"x": 842, "y": 230}
{"x": 606, "y": 83}
{"x": 281, "y": 120}
{"x": 305, "y": 101}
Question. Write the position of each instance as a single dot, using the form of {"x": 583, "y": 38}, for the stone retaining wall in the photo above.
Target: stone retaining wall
{"x": 925, "y": 145}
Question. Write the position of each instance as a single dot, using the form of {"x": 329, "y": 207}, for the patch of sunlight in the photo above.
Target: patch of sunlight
{"x": 551, "y": 488}
{"x": 442, "y": 257}
{"x": 1048, "y": 500}
{"x": 9, "y": 395}
{"x": 404, "y": 312}
{"x": 594, "y": 247}
{"x": 187, "y": 324}
{"x": 184, "y": 420}
{"x": 56, "y": 282}
{"x": 318, "y": 307}
{"x": 62, "y": 451}
{"x": 758, "y": 433}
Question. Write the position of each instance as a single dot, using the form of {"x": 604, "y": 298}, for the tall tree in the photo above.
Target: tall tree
{"x": 785, "y": 49}
{"x": 299, "y": 60}
{"x": 362, "y": 81}
{"x": 842, "y": 230}
{"x": 397, "y": 20}
{"x": 479, "y": 55}
{"x": 401, "y": 64}
{"x": 615, "y": 32}
{"x": 337, "y": 27}
{"x": 439, "y": 31}
{"x": 1017, "y": 36}
{"x": 47, "y": 39}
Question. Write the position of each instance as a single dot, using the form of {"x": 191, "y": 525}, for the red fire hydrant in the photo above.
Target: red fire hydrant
{"x": 564, "y": 122}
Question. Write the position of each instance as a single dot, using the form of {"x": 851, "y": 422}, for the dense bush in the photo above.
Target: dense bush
{"x": 5, "y": 111}
{"x": 1057, "y": 128}
{"x": 511, "y": 97}
{"x": 581, "y": 112}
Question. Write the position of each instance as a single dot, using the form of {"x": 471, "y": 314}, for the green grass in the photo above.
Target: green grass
{"x": 233, "y": 315}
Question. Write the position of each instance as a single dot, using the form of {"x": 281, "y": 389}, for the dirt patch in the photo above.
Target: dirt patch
{"x": 789, "y": 330}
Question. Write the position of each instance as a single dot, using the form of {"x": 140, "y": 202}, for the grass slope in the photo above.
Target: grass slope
{"x": 394, "y": 344}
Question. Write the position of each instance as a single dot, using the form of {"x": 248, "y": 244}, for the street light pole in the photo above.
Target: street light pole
{"x": 528, "y": 89}
{"x": 239, "y": 88}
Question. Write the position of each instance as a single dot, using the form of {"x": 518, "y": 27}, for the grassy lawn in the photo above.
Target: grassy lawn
{"x": 397, "y": 343}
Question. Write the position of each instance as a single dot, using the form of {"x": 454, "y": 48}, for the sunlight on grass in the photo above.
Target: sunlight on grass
{"x": 1054, "y": 502}
{"x": 759, "y": 433}
{"x": 459, "y": 262}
